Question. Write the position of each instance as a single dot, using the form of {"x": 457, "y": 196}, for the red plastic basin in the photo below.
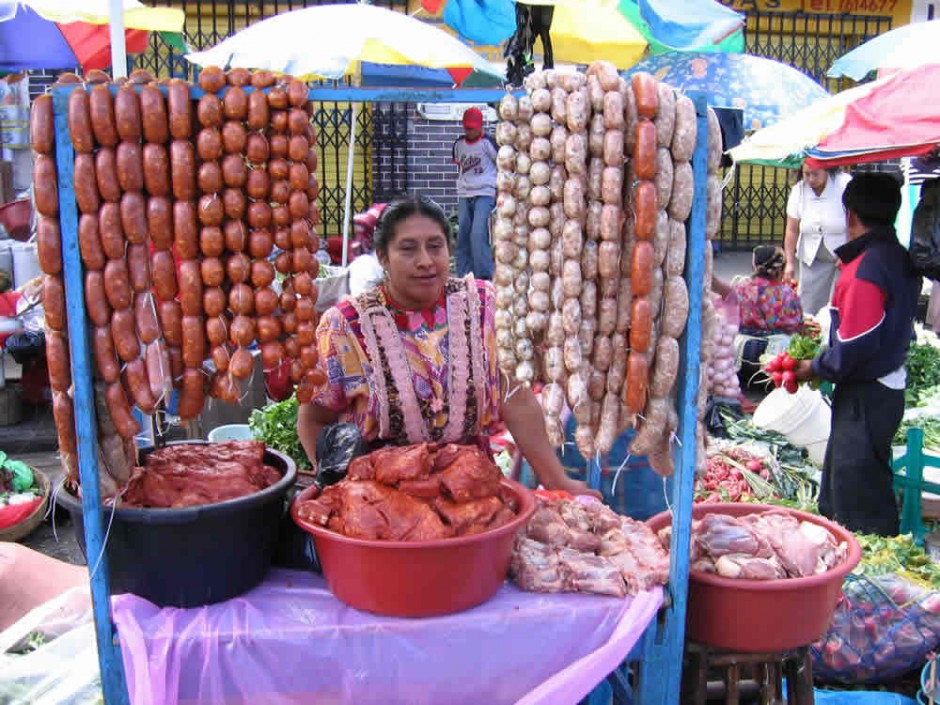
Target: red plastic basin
{"x": 416, "y": 578}
{"x": 762, "y": 615}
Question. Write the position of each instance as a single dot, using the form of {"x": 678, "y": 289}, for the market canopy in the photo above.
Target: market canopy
{"x": 63, "y": 34}
{"x": 893, "y": 117}
{"x": 766, "y": 90}
{"x": 906, "y": 47}
{"x": 330, "y": 41}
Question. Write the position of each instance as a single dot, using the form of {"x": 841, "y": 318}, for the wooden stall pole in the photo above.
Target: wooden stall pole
{"x": 113, "y": 682}
{"x": 660, "y": 667}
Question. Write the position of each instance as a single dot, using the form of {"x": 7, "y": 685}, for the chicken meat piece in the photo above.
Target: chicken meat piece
{"x": 319, "y": 510}
{"x": 446, "y": 454}
{"x": 583, "y": 541}
{"x": 721, "y": 534}
{"x": 424, "y": 488}
{"x": 374, "y": 511}
{"x": 394, "y": 464}
{"x": 547, "y": 526}
{"x": 795, "y": 552}
{"x": 585, "y": 572}
{"x": 361, "y": 468}
{"x": 734, "y": 565}
{"x": 535, "y": 567}
{"x": 576, "y": 515}
{"x": 462, "y": 517}
{"x": 471, "y": 475}
{"x": 601, "y": 517}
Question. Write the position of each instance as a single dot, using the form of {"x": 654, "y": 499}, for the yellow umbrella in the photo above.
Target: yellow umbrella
{"x": 585, "y": 30}
{"x": 784, "y": 143}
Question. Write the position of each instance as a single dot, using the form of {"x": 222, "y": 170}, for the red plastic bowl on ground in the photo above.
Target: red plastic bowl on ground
{"x": 15, "y": 217}
{"x": 416, "y": 578}
{"x": 756, "y": 616}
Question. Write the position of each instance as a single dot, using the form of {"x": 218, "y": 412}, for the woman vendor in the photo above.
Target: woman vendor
{"x": 769, "y": 309}
{"x": 414, "y": 359}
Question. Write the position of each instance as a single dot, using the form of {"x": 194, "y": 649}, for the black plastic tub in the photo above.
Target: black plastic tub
{"x": 191, "y": 556}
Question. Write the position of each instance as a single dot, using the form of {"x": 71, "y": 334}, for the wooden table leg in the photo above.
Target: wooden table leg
{"x": 732, "y": 677}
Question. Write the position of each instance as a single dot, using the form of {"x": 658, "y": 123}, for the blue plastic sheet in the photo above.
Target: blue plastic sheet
{"x": 860, "y": 697}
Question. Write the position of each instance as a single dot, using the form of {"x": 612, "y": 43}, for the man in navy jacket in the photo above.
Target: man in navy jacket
{"x": 872, "y": 316}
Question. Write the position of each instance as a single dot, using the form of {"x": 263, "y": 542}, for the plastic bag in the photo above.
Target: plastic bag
{"x": 25, "y": 346}
{"x": 63, "y": 668}
{"x": 337, "y": 445}
{"x": 715, "y": 420}
{"x": 883, "y": 627}
{"x": 721, "y": 371}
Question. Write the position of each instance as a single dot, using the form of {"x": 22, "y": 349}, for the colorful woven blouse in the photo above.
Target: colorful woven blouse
{"x": 406, "y": 375}
{"x": 767, "y": 305}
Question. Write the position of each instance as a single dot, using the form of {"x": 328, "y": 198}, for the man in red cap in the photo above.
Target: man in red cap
{"x": 475, "y": 157}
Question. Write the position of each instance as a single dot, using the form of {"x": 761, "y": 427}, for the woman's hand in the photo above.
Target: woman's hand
{"x": 577, "y": 487}
{"x": 788, "y": 271}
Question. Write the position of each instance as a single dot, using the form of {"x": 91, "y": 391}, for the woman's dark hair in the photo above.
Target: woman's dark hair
{"x": 769, "y": 261}
{"x": 875, "y": 198}
{"x": 402, "y": 209}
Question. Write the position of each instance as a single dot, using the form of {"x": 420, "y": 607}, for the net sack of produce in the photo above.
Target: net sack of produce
{"x": 722, "y": 368}
{"x": 337, "y": 445}
{"x": 883, "y": 627}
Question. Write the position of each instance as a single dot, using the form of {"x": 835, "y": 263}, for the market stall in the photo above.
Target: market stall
{"x": 626, "y": 620}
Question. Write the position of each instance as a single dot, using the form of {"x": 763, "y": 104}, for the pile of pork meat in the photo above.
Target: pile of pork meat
{"x": 415, "y": 493}
{"x": 571, "y": 546}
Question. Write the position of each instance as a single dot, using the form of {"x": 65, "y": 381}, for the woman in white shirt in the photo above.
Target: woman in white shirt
{"x": 815, "y": 229}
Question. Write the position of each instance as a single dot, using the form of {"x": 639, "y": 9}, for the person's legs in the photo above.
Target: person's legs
{"x": 816, "y": 283}
{"x": 480, "y": 237}
{"x": 865, "y": 417}
{"x": 463, "y": 253}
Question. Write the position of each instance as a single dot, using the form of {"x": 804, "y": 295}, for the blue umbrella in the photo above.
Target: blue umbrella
{"x": 766, "y": 90}
{"x": 906, "y": 47}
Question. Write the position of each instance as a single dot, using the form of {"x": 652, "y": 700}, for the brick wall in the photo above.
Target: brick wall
{"x": 432, "y": 172}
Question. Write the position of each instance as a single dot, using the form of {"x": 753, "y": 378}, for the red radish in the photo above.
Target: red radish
{"x": 788, "y": 363}
{"x": 773, "y": 365}
{"x": 777, "y": 378}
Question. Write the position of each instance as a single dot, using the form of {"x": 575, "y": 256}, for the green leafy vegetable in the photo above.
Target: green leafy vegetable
{"x": 276, "y": 425}
{"x": 900, "y": 555}
{"x": 803, "y": 347}
{"x": 929, "y": 425}
{"x": 923, "y": 373}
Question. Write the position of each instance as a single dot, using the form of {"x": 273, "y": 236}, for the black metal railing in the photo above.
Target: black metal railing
{"x": 755, "y": 200}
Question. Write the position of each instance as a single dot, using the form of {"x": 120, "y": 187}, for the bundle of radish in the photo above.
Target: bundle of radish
{"x": 605, "y": 199}
{"x": 180, "y": 206}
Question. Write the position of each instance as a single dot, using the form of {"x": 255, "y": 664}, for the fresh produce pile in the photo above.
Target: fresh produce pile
{"x": 574, "y": 546}
{"x": 19, "y": 494}
{"x": 770, "y": 545}
{"x": 929, "y": 425}
{"x": 721, "y": 372}
{"x": 923, "y": 373}
{"x": 276, "y": 425}
{"x": 888, "y": 620}
{"x": 734, "y": 475}
{"x": 594, "y": 188}
{"x": 420, "y": 492}
{"x": 781, "y": 368}
{"x": 188, "y": 212}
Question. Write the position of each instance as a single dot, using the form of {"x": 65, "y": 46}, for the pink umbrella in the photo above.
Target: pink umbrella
{"x": 900, "y": 117}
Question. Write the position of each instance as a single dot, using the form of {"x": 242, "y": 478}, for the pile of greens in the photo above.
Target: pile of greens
{"x": 929, "y": 425}
{"x": 923, "y": 373}
{"x": 276, "y": 425}
{"x": 898, "y": 555}
{"x": 803, "y": 347}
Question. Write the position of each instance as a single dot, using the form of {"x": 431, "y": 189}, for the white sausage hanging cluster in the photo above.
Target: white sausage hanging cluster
{"x": 594, "y": 188}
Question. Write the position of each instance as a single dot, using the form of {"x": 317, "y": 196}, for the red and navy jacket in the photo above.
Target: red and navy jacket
{"x": 872, "y": 310}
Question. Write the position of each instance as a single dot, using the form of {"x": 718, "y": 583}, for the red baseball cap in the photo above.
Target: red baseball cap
{"x": 472, "y": 118}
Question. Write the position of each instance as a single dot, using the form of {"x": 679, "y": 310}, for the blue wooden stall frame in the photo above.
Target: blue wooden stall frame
{"x": 661, "y": 647}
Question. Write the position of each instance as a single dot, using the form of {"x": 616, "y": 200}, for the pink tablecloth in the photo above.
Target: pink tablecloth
{"x": 291, "y": 641}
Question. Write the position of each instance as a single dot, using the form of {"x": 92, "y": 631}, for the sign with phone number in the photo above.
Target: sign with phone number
{"x": 900, "y": 10}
